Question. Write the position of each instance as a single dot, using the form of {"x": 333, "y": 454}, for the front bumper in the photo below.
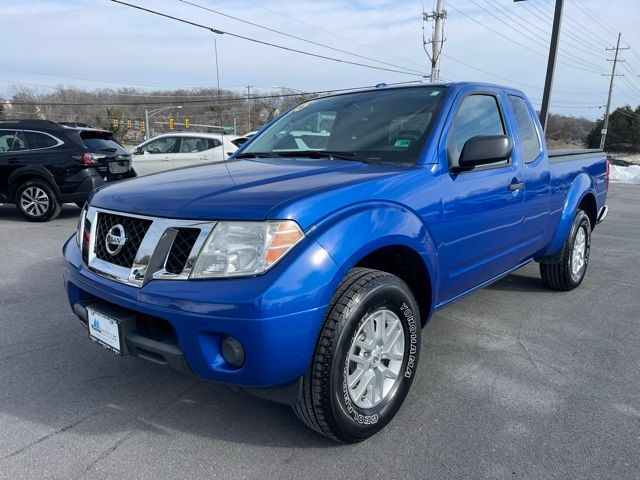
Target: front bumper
{"x": 275, "y": 316}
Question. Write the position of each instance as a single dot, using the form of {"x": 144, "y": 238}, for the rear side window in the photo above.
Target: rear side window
{"x": 6, "y": 140}
{"x": 37, "y": 140}
{"x": 526, "y": 129}
{"x": 100, "y": 142}
{"x": 193, "y": 145}
{"x": 20, "y": 142}
{"x": 477, "y": 115}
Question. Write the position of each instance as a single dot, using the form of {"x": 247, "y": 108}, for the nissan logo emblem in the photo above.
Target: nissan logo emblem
{"x": 115, "y": 240}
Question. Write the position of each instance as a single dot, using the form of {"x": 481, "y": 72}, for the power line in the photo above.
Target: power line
{"x": 202, "y": 7}
{"x": 584, "y": 8}
{"x": 579, "y": 32}
{"x": 333, "y": 34}
{"x": 262, "y": 42}
{"x": 537, "y": 40}
{"x": 572, "y": 40}
{"x": 238, "y": 99}
{"x": 526, "y": 47}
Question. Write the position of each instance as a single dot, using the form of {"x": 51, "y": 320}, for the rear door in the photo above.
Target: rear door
{"x": 193, "y": 150}
{"x": 8, "y": 161}
{"x": 482, "y": 214}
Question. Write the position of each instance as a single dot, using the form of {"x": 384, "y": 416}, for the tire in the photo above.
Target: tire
{"x": 569, "y": 271}
{"x": 45, "y": 207}
{"x": 334, "y": 402}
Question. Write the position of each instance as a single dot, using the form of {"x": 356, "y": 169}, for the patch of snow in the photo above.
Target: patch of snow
{"x": 629, "y": 174}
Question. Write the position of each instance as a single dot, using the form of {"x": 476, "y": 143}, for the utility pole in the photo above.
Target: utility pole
{"x": 551, "y": 64}
{"x": 437, "y": 39}
{"x": 249, "y": 87}
{"x": 615, "y": 61}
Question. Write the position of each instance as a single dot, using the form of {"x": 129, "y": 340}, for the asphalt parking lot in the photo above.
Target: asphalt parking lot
{"x": 514, "y": 382}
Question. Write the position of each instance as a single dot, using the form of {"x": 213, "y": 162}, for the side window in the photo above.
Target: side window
{"x": 37, "y": 140}
{"x": 20, "y": 142}
{"x": 477, "y": 115}
{"x": 526, "y": 129}
{"x": 214, "y": 143}
{"x": 6, "y": 140}
{"x": 194, "y": 144}
{"x": 162, "y": 145}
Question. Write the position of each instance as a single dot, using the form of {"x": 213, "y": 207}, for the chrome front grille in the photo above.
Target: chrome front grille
{"x": 141, "y": 248}
{"x": 135, "y": 228}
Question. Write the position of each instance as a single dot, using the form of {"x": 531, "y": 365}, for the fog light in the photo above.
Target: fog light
{"x": 232, "y": 352}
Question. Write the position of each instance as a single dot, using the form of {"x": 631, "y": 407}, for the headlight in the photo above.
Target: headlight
{"x": 245, "y": 248}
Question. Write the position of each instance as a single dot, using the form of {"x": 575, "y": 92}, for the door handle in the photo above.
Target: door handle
{"x": 516, "y": 186}
{"x": 15, "y": 161}
{"x": 166, "y": 160}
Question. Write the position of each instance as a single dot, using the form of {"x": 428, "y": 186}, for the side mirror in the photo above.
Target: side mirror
{"x": 137, "y": 151}
{"x": 485, "y": 149}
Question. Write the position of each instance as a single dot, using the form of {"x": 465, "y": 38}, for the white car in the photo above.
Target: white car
{"x": 180, "y": 149}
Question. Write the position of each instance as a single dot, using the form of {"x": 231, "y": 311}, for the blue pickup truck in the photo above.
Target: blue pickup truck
{"x": 303, "y": 269}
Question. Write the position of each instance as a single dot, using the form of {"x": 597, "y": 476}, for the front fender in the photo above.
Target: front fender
{"x": 581, "y": 186}
{"x": 351, "y": 234}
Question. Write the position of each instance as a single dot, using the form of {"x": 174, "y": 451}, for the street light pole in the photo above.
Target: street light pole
{"x": 551, "y": 62}
{"x": 148, "y": 114}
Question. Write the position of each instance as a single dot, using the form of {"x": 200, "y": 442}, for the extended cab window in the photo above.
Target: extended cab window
{"x": 526, "y": 129}
{"x": 478, "y": 115}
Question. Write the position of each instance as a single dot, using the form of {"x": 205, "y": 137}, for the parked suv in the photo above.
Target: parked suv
{"x": 44, "y": 164}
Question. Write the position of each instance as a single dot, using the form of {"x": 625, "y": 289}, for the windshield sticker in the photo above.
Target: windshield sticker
{"x": 435, "y": 93}
{"x": 402, "y": 143}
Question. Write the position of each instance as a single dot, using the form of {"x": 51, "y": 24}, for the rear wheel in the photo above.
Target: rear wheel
{"x": 37, "y": 202}
{"x": 365, "y": 359}
{"x": 569, "y": 272}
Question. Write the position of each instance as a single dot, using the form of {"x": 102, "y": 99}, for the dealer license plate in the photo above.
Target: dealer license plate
{"x": 104, "y": 330}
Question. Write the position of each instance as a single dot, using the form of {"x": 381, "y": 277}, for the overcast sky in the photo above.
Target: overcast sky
{"x": 98, "y": 43}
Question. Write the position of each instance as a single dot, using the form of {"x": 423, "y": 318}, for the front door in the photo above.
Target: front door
{"x": 155, "y": 155}
{"x": 484, "y": 207}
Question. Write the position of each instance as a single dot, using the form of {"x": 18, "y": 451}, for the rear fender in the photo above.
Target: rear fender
{"x": 35, "y": 171}
{"x": 351, "y": 234}
{"x": 581, "y": 186}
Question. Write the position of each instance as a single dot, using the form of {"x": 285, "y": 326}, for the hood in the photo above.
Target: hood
{"x": 236, "y": 190}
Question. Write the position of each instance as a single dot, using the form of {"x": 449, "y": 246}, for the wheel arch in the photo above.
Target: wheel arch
{"x": 579, "y": 194}
{"x": 18, "y": 177}
{"x": 388, "y": 238}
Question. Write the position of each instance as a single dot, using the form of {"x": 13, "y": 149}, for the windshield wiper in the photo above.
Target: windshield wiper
{"x": 109, "y": 149}
{"x": 254, "y": 155}
{"x": 321, "y": 154}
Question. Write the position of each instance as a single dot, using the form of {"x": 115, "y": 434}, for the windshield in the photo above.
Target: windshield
{"x": 381, "y": 126}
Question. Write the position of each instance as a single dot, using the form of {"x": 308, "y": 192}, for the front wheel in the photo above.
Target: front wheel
{"x": 365, "y": 359}
{"x": 570, "y": 270}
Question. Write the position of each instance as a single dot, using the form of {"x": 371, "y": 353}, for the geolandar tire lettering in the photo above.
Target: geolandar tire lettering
{"x": 365, "y": 359}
